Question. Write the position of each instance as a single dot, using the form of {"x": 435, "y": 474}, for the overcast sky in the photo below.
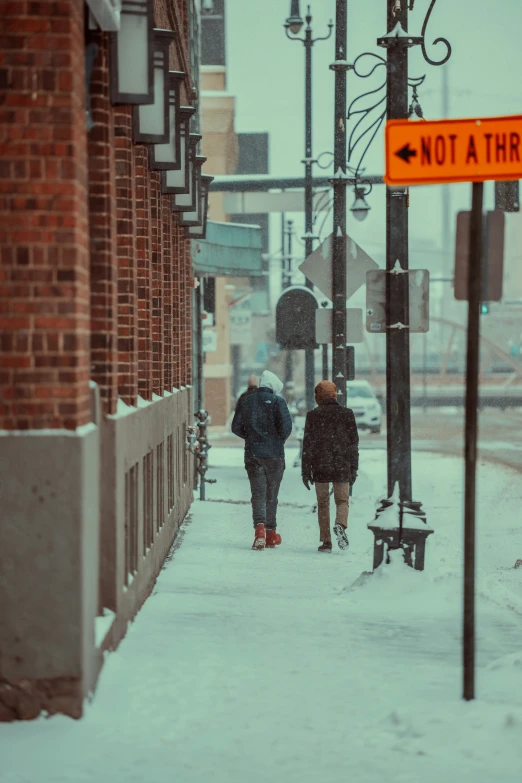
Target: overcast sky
{"x": 266, "y": 73}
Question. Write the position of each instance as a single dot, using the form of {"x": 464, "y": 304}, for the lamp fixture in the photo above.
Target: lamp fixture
{"x": 192, "y": 217}
{"x": 130, "y": 54}
{"x": 295, "y": 20}
{"x": 151, "y": 121}
{"x": 178, "y": 180}
{"x": 199, "y": 231}
{"x": 186, "y": 201}
{"x": 164, "y": 157}
{"x": 360, "y": 206}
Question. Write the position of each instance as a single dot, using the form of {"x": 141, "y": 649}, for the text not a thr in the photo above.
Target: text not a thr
{"x": 470, "y": 148}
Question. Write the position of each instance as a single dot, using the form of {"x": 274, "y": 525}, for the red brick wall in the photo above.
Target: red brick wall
{"x": 186, "y": 324}
{"x": 102, "y": 229}
{"x": 158, "y": 384}
{"x": 126, "y": 245}
{"x": 167, "y": 291}
{"x": 44, "y": 274}
{"x": 176, "y": 289}
{"x": 144, "y": 270}
{"x": 95, "y": 274}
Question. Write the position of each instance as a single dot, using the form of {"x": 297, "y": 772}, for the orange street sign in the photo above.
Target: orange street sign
{"x": 453, "y": 150}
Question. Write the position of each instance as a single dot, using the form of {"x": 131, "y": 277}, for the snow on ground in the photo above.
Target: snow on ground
{"x": 271, "y": 667}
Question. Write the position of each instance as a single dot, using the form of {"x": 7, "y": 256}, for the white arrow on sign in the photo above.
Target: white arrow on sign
{"x": 318, "y": 267}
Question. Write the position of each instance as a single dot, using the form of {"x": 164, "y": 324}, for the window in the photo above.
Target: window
{"x": 170, "y": 471}
{"x": 131, "y": 523}
{"x": 148, "y": 500}
{"x": 160, "y": 484}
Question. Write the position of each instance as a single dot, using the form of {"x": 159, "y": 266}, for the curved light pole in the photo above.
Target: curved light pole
{"x": 293, "y": 26}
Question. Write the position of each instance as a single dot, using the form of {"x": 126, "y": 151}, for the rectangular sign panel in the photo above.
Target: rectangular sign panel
{"x": 240, "y": 326}
{"x": 419, "y": 288}
{"x": 471, "y": 150}
{"x": 209, "y": 340}
{"x": 354, "y": 327}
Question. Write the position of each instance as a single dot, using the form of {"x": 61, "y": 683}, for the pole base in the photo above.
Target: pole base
{"x": 410, "y": 536}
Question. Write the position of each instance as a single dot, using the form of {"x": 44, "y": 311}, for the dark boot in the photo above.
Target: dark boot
{"x": 325, "y": 547}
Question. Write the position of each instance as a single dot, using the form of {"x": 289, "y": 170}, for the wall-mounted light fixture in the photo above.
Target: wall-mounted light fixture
{"x": 164, "y": 157}
{"x": 130, "y": 54}
{"x": 199, "y": 231}
{"x": 192, "y": 217}
{"x": 178, "y": 180}
{"x": 151, "y": 121}
{"x": 186, "y": 202}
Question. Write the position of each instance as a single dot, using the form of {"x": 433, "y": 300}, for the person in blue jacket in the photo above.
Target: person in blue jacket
{"x": 263, "y": 420}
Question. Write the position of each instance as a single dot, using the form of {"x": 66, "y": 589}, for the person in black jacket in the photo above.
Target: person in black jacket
{"x": 252, "y": 386}
{"x": 330, "y": 455}
{"x": 263, "y": 421}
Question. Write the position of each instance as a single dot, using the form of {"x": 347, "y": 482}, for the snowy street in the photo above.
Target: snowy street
{"x": 258, "y": 667}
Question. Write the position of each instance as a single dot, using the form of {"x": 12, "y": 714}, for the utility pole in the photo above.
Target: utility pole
{"x": 398, "y": 414}
{"x": 287, "y": 282}
{"x": 340, "y": 66}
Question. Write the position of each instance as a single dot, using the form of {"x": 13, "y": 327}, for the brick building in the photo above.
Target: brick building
{"x": 98, "y": 213}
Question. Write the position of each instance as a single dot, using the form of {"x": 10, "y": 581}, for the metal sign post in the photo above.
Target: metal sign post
{"x": 472, "y": 375}
{"x": 472, "y": 150}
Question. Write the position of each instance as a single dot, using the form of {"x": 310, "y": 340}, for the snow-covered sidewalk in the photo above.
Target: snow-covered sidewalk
{"x": 247, "y": 667}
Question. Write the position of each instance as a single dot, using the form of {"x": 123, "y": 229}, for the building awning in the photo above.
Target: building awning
{"x": 229, "y": 250}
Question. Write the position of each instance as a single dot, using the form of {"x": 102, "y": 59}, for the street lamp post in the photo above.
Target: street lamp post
{"x": 293, "y": 26}
{"x": 398, "y": 419}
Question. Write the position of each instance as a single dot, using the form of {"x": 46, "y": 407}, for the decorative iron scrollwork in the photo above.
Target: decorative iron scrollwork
{"x": 435, "y": 42}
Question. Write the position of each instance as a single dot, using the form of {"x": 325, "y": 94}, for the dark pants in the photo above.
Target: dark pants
{"x": 265, "y": 477}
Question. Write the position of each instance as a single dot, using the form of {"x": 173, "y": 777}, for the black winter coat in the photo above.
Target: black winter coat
{"x": 250, "y": 390}
{"x": 263, "y": 420}
{"x": 330, "y": 444}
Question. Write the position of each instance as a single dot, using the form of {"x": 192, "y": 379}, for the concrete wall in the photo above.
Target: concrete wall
{"x": 65, "y": 528}
{"x": 48, "y": 566}
{"x": 126, "y": 441}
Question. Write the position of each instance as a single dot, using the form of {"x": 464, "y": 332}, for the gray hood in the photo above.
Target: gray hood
{"x": 271, "y": 381}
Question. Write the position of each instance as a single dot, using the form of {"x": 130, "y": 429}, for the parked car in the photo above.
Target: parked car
{"x": 365, "y": 405}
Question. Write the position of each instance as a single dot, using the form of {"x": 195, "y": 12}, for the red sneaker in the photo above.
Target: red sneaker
{"x": 272, "y": 538}
{"x": 259, "y": 537}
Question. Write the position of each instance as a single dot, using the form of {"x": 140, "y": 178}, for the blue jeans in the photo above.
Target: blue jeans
{"x": 265, "y": 478}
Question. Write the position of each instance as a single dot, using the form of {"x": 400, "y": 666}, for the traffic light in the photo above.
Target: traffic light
{"x": 484, "y": 308}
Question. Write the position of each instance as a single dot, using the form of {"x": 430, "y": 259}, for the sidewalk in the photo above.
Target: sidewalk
{"x": 265, "y": 667}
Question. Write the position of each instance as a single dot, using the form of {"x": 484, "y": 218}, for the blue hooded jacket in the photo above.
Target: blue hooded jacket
{"x": 263, "y": 420}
